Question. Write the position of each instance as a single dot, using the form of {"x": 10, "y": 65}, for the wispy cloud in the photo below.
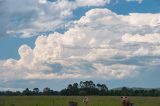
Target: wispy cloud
{"x": 139, "y": 1}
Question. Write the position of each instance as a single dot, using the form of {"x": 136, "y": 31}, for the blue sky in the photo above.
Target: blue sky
{"x": 57, "y": 42}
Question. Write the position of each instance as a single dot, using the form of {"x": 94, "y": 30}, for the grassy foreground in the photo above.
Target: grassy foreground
{"x": 63, "y": 101}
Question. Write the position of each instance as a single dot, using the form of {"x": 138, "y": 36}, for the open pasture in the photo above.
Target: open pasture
{"x": 64, "y": 101}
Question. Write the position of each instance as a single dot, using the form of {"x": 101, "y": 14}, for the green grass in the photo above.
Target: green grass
{"x": 63, "y": 101}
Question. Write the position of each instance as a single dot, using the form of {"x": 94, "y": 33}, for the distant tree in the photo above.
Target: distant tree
{"x": 27, "y": 92}
{"x": 82, "y": 93}
{"x": 75, "y": 89}
{"x": 88, "y": 84}
{"x": 69, "y": 86}
{"x": 81, "y": 84}
{"x": 64, "y": 92}
{"x": 75, "y": 85}
{"x": 36, "y": 91}
{"x": 103, "y": 89}
{"x": 9, "y": 93}
{"x": 125, "y": 91}
{"x": 17, "y": 93}
{"x": 47, "y": 91}
{"x": 99, "y": 86}
{"x": 86, "y": 88}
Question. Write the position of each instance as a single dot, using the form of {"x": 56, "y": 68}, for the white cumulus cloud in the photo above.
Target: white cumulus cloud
{"x": 92, "y": 2}
{"x": 148, "y": 38}
{"x": 26, "y": 18}
{"x": 101, "y": 44}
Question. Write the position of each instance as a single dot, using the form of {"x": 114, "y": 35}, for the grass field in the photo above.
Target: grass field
{"x": 64, "y": 101}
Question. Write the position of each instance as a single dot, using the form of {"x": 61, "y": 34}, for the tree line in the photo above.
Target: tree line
{"x": 85, "y": 88}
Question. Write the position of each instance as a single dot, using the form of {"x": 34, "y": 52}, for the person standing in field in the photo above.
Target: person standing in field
{"x": 85, "y": 100}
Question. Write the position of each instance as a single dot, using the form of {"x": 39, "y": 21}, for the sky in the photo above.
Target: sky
{"x": 51, "y": 43}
